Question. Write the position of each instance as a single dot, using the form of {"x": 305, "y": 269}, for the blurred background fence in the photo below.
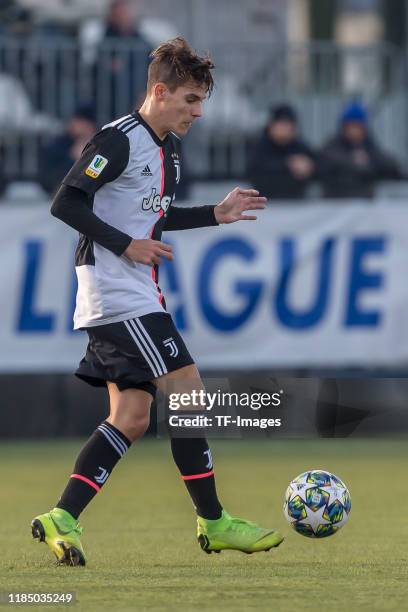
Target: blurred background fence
{"x": 44, "y": 80}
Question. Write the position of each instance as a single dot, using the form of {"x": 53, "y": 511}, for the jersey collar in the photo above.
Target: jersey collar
{"x": 152, "y": 133}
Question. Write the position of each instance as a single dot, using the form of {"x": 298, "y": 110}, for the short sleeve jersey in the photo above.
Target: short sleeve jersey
{"x": 130, "y": 176}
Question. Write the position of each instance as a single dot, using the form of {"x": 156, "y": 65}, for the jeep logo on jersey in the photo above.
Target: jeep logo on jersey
{"x": 96, "y": 166}
{"x": 155, "y": 203}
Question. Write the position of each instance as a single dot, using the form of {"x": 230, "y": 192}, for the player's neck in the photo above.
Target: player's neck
{"x": 148, "y": 115}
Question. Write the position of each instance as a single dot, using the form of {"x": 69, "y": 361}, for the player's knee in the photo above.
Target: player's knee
{"x": 142, "y": 424}
{"x": 185, "y": 381}
{"x": 136, "y": 426}
{"x": 132, "y": 424}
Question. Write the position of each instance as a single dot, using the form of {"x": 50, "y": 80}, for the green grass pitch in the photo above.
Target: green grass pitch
{"x": 140, "y": 531}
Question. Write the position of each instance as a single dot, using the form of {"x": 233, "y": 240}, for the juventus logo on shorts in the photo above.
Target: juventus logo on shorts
{"x": 172, "y": 346}
{"x": 103, "y": 476}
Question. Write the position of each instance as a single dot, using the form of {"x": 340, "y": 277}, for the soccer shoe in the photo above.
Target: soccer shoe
{"x": 235, "y": 534}
{"x": 60, "y": 531}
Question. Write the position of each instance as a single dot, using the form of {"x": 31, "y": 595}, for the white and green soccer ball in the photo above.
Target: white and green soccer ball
{"x": 317, "y": 504}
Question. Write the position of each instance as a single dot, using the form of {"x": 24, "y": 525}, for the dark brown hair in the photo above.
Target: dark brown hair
{"x": 174, "y": 63}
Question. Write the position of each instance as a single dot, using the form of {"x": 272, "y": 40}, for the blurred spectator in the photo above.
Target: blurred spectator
{"x": 124, "y": 62}
{"x": 58, "y": 157}
{"x": 121, "y": 21}
{"x": 352, "y": 162}
{"x": 23, "y": 57}
{"x": 281, "y": 165}
{"x": 15, "y": 19}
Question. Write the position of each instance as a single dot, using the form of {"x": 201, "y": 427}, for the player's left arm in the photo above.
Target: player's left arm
{"x": 189, "y": 217}
{"x": 231, "y": 209}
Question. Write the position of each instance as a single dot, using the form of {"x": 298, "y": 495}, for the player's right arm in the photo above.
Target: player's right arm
{"x": 104, "y": 158}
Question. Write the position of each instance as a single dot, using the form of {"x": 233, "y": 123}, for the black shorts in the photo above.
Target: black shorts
{"x": 133, "y": 353}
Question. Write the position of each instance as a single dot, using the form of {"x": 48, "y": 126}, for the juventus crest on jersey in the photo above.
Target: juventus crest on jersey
{"x": 130, "y": 177}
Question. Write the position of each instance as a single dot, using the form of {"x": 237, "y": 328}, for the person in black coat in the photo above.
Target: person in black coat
{"x": 58, "y": 156}
{"x": 281, "y": 165}
{"x": 352, "y": 163}
{"x": 124, "y": 60}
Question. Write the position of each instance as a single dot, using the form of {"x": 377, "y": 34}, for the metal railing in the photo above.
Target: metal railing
{"x": 42, "y": 81}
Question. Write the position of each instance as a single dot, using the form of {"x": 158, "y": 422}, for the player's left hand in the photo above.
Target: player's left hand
{"x": 238, "y": 201}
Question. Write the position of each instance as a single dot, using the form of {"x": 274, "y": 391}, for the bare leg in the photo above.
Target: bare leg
{"x": 129, "y": 411}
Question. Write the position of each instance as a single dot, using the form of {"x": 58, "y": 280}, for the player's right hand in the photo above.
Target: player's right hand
{"x": 148, "y": 251}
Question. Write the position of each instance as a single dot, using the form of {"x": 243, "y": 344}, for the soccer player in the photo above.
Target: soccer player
{"x": 118, "y": 196}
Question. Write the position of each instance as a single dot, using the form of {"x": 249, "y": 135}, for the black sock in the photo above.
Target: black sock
{"x": 193, "y": 458}
{"x": 93, "y": 466}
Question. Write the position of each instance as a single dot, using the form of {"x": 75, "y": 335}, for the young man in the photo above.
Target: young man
{"x": 118, "y": 196}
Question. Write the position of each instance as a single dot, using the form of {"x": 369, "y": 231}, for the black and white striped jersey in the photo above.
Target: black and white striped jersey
{"x": 129, "y": 176}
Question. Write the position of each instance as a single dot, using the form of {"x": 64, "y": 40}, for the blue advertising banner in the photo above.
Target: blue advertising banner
{"x": 304, "y": 286}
